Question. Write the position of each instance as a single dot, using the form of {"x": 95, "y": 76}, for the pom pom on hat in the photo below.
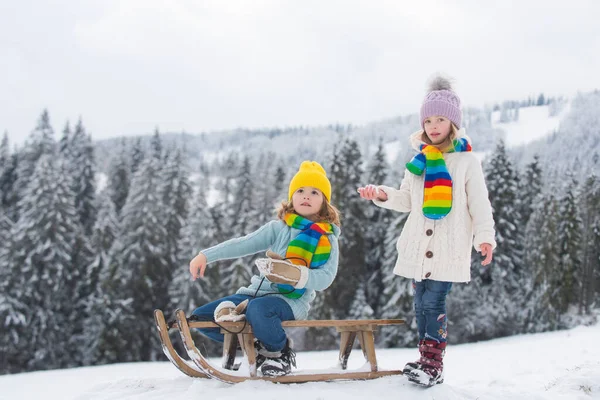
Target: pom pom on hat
{"x": 441, "y": 100}
{"x": 311, "y": 173}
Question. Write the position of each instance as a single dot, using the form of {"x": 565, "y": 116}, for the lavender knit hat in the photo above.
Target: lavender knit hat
{"x": 441, "y": 100}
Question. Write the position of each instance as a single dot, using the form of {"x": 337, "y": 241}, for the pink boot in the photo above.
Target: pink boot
{"x": 431, "y": 371}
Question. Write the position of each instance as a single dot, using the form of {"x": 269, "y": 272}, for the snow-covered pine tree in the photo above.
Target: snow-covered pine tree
{"x": 12, "y": 312}
{"x": 82, "y": 168}
{"x": 507, "y": 277}
{"x": 378, "y": 220}
{"x": 360, "y": 308}
{"x": 237, "y": 273}
{"x": 543, "y": 259}
{"x": 268, "y": 188}
{"x": 119, "y": 179}
{"x": 530, "y": 187}
{"x": 40, "y": 142}
{"x": 44, "y": 239}
{"x": 175, "y": 191}
{"x": 346, "y": 176}
{"x": 156, "y": 147}
{"x": 137, "y": 155}
{"x": 98, "y": 306}
{"x": 398, "y": 294}
{"x": 64, "y": 144}
{"x": 8, "y": 190}
{"x": 139, "y": 271}
{"x": 197, "y": 233}
{"x": 4, "y": 154}
{"x": 590, "y": 211}
{"x": 569, "y": 282}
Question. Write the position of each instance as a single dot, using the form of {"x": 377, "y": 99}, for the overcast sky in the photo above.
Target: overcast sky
{"x": 126, "y": 66}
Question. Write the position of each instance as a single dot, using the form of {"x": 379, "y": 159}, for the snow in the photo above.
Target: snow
{"x": 551, "y": 365}
{"x": 533, "y": 123}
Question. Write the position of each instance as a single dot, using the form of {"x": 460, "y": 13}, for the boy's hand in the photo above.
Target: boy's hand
{"x": 372, "y": 192}
{"x": 486, "y": 250}
{"x": 197, "y": 266}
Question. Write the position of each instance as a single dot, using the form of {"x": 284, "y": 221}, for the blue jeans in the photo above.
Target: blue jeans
{"x": 430, "y": 309}
{"x": 264, "y": 314}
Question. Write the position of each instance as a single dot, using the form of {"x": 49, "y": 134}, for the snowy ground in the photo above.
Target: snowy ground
{"x": 554, "y": 365}
{"x": 533, "y": 123}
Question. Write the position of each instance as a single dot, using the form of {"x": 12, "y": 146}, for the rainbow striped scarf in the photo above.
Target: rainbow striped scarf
{"x": 437, "y": 194}
{"x": 311, "y": 248}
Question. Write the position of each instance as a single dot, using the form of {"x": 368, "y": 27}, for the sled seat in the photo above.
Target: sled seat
{"x": 241, "y": 333}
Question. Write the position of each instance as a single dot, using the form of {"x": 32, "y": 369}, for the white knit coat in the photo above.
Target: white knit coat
{"x": 441, "y": 249}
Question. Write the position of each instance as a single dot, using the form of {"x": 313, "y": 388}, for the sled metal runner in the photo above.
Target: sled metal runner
{"x": 349, "y": 330}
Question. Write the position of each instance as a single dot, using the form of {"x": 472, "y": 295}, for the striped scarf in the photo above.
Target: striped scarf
{"x": 311, "y": 248}
{"x": 437, "y": 193}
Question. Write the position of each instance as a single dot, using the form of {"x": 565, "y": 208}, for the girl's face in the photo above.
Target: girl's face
{"x": 437, "y": 128}
{"x": 307, "y": 201}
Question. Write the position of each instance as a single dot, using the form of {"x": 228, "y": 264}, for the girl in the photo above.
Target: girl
{"x": 303, "y": 258}
{"x": 445, "y": 192}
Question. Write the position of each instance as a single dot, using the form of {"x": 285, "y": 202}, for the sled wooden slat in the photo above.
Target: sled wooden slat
{"x": 321, "y": 323}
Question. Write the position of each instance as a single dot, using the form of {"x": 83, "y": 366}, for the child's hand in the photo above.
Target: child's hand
{"x": 371, "y": 192}
{"x": 197, "y": 266}
{"x": 486, "y": 250}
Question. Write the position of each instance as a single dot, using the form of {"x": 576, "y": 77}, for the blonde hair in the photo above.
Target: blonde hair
{"x": 327, "y": 213}
{"x": 446, "y": 143}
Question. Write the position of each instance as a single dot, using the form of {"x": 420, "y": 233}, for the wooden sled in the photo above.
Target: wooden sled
{"x": 349, "y": 331}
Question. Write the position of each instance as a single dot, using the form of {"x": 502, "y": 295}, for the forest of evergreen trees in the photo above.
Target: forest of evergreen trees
{"x": 82, "y": 267}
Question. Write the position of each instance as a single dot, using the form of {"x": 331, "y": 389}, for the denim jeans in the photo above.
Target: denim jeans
{"x": 264, "y": 314}
{"x": 430, "y": 309}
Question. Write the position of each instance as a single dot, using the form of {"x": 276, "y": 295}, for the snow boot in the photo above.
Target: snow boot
{"x": 278, "y": 363}
{"x": 431, "y": 370}
{"x": 259, "y": 350}
{"x": 416, "y": 364}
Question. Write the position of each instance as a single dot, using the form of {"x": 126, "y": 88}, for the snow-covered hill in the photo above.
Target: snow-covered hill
{"x": 553, "y": 365}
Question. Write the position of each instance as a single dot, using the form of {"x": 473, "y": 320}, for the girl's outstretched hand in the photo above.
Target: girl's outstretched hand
{"x": 486, "y": 250}
{"x": 372, "y": 192}
{"x": 197, "y": 266}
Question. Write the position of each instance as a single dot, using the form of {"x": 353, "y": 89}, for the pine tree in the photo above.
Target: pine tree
{"x": 360, "y": 309}
{"x": 13, "y": 320}
{"x": 45, "y": 237}
{"x": 174, "y": 188}
{"x": 118, "y": 180}
{"x": 197, "y": 233}
{"x": 82, "y": 168}
{"x": 346, "y": 176}
{"x": 590, "y": 210}
{"x": 507, "y": 278}
{"x": 9, "y": 193}
{"x": 543, "y": 258}
{"x": 570, "y": 235}
{"x": 397, "y": 297}
{"x": 40, "y": 142}
{"x": 243, "y": 216}
{"x": 378, "y": 221}
{"x": 530, "y": 188}
{"x": 137, "y": 155}
{"x": 64, "y": 145}
{"x": 139, "y": 275}
{"x": 156, "y": 146}
{"x": 97, "y": 306}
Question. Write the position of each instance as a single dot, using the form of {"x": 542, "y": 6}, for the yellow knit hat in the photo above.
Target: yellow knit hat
{"x": 311, "y": 173}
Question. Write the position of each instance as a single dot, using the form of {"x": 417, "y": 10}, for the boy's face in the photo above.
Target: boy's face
{"x": 437, "y": 128}
{"x": 307, "y": 201}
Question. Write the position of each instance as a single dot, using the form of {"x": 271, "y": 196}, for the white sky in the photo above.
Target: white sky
{"x": 127, "y": 66}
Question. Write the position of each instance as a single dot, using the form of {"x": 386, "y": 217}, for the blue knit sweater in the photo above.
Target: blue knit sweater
{"x": 276, "y": 236}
